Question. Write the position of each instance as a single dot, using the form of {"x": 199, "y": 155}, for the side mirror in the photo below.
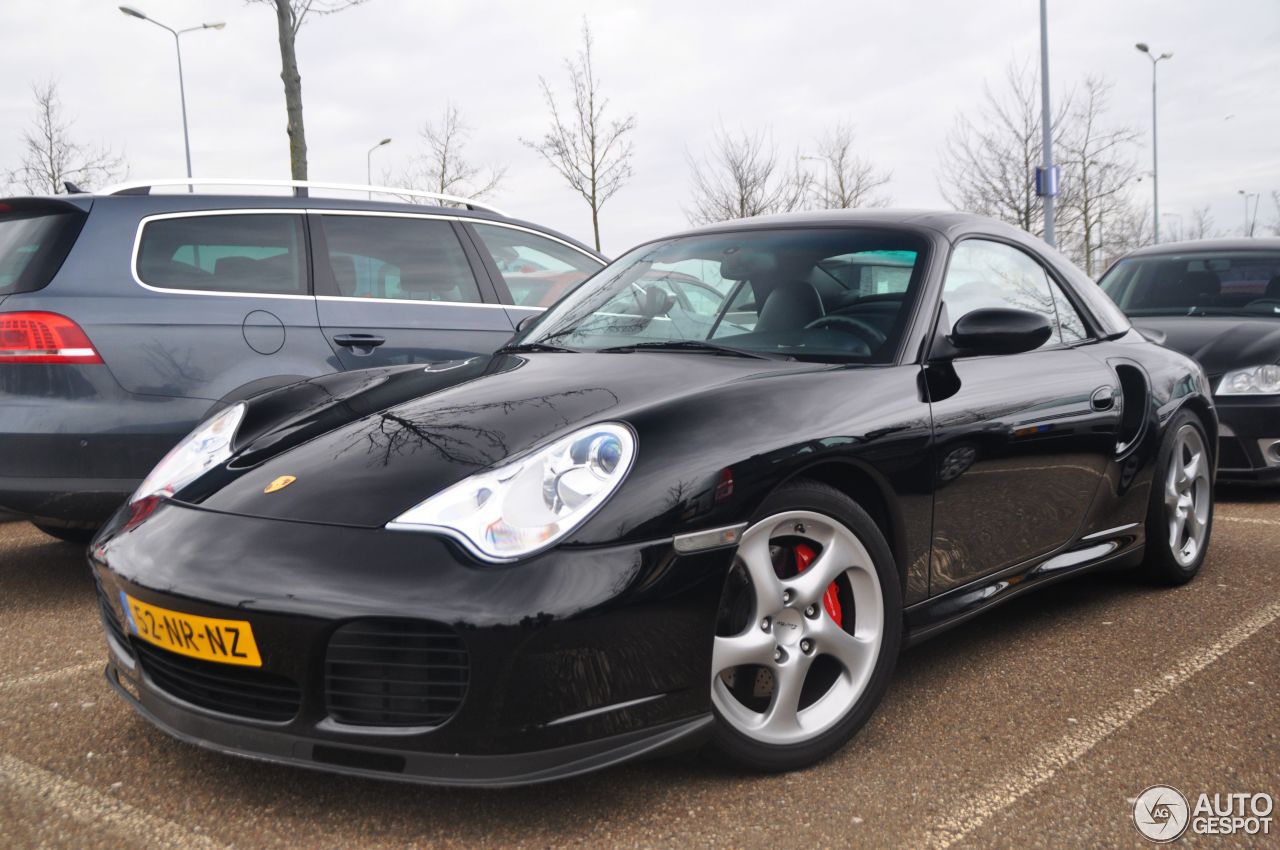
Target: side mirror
{"x": 527, "y": 322}
{"x": 998, "y": 330}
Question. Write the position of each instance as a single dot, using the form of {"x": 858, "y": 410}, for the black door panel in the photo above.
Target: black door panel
{"x": 1017, "y": 470}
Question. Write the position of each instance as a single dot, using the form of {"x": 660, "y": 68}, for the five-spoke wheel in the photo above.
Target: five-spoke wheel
{"x": 1187, "y": 495}
{"x": 1180, "y": 517}
{"x": 809, "y": 629}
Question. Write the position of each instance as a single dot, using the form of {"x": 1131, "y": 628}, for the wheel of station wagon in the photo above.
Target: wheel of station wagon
{"x": 1180, "y": 517}
{"x": 809, "y": 629}
{"x": 67, "y": 534}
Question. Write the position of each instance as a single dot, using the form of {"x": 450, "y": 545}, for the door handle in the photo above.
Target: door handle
{"x": 1103, "y": 398}
{"x": 360, "y": 344}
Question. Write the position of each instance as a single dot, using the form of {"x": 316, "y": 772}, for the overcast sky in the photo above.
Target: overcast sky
{"x": 898, "y": 71}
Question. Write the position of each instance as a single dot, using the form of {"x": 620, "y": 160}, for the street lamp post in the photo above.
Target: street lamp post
{"x": 1155, "y": 151}
{"x": 1248, "y": 231}
{"x": 368, "y": 165}
{"x": 182, "y": 91}
{"x": 1102, "y": 257}
{"x": 1047, "y": 185}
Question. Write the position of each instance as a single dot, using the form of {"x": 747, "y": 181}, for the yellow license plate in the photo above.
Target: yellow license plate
{"x": 206, "y": 638}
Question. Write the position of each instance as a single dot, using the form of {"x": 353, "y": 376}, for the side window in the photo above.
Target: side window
{"x": 986, "y": 274}
{"x": 413, "y": 259}
{"x": 258, "y": 254}
{"x": 537, "y": 270}
{"x": 1070, "y": 325}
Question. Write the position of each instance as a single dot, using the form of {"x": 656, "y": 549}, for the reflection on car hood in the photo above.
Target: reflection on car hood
{"x": 366, "y": 446}
{"x": 1219, "y": 343}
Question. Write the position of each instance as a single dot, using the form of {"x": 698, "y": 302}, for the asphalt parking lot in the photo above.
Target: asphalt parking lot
{"x": 1033, "y": 727}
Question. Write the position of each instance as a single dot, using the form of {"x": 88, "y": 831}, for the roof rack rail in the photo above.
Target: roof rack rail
{"x": 300, "y": 187}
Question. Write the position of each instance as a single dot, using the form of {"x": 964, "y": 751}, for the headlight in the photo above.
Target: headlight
{"x": 207, "y": 446}
{"x": 525, "y": 506}
{"x": 1256, "y": 380}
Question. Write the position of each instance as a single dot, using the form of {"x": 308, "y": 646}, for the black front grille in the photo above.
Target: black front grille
{"x": 241, "y": 691}
{"x": 395, "y": 673}
{"x": 109, "y": 619}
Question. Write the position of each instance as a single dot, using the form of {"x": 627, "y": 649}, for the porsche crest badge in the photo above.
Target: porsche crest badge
{"x": 280, "y": 483}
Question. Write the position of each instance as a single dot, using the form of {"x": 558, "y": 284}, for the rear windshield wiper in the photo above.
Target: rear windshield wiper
{"x": 694, "y": 345}
{"x": 534, "y": 346}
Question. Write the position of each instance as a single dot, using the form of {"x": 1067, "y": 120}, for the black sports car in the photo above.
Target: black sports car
{"x": 1217, "y": 300}
{"x": 664, "y": 514}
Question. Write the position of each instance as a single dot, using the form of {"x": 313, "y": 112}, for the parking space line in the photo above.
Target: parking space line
{"x": 89, "y": 806}
{"x": 970, "y": 814}
{"x": 52, "y": 675}
{"x": 1253, "y": 520}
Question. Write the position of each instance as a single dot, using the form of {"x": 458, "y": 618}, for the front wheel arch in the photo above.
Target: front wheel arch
{"x": 869, "y": 492}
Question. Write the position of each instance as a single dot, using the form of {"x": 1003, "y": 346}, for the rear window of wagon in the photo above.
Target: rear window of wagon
{"x": 34, "y": 241}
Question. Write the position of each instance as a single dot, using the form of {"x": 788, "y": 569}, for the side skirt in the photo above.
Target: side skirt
{"x": 958, "y": 605}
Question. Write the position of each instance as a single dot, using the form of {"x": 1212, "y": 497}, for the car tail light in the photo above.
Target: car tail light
{"x": 43, "y": 338}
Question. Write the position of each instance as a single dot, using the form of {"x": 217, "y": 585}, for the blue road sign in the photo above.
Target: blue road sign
{"x": 1047, "y": 180}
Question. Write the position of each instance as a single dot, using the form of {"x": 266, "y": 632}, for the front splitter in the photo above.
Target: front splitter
{"x": 443, "y": 769}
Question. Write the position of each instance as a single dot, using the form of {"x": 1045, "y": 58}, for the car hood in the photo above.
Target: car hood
{"x": 364, "y": 447}
{"x": 1218, "y": 343}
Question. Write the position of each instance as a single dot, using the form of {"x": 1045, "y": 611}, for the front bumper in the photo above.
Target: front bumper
{"x": 1250, "y": 426}
{"x": 577, "y": 659}
{"x": 425, "y": 768}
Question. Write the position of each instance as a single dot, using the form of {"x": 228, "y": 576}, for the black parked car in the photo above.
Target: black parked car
{"x": 127, "y": 317}
{"x": 1218, "y": 301}
{"x": 652, "y": 520}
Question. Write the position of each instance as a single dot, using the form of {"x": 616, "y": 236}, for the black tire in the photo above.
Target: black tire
{"x": 1160, "y": 566}
{"x": 765, "y": 757}
{"x": 68, "y": 534}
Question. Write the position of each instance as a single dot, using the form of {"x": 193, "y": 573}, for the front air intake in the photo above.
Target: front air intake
{"x": 238, "y": 691}
{"x": 395, "y": 672}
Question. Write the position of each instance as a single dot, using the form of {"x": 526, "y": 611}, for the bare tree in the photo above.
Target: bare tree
{"x": 1097, "y": 171}
{"x": 442, "y": 167}
{"x": 741, "y": 178}
{"x": 590, "y": 151}
{"x": 989, "y": 164}
{"x": 849, "y": 180}
{"x": 290, "y": 16}
{"x": 989, "y": 161}
{"x": 51, "y": 159}
{"x": 1275, "y": 222}
{"x": 1128, "y": 229}
{"x": 1202, "y": 225}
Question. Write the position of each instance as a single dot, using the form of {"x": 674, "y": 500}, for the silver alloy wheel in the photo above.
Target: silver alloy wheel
{"x": 792, "y": 628}
{"x": 1187, "y": 495}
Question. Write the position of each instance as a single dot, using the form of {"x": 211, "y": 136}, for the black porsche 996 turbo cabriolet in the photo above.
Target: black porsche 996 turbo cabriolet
{"x": 706, "y": 497}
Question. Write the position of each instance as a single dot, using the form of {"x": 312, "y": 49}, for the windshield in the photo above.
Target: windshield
{"x": 1231, "y": 283}
{"x": 828, "y": 294}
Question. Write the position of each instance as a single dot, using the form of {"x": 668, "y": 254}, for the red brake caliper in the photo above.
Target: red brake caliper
{"x": 830, "y": 599}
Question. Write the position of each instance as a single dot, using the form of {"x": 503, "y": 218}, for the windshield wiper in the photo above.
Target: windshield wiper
{"x": 694, "y": 345}
{"x": 525, "y": 347}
